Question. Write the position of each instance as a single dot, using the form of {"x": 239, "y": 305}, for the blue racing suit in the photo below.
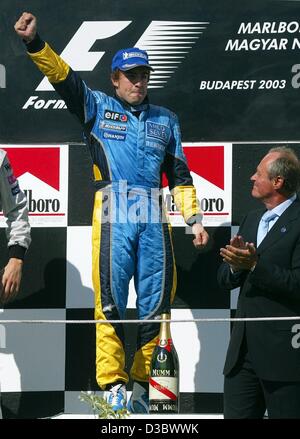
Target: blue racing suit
{"x": 130, "y": 148}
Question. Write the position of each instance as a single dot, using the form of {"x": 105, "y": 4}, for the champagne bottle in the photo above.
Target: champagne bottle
{"x": 164, "y": 373}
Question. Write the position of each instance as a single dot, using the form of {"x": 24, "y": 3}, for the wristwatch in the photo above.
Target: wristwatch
{"x": 195, "y": 219}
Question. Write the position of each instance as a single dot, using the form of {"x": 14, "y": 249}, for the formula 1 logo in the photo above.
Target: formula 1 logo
{"x": 167, "y": 44}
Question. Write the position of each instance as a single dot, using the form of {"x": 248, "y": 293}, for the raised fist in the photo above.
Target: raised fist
{"x": 26, "y": 26}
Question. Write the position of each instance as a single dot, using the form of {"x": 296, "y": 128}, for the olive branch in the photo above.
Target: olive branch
{"x": 101, "y": 408}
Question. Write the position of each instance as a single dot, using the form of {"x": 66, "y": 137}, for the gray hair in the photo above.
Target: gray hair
{"x": 286, "y": 166}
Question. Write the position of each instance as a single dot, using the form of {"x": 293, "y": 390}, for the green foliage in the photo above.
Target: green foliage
{"x": 101, "y": 408}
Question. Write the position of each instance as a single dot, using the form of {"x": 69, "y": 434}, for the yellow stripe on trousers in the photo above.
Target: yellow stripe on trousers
{"x": 110, "y": 356}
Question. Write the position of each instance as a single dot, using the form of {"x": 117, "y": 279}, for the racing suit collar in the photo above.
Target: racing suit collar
{"x": 134, "y": 108}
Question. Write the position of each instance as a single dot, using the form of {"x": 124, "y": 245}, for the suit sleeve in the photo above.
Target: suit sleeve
{"x": 226, "y": 278}
{"x": 79, "y": 99}
{"x": 179, "y": 177}
{"x": 15, "y": 210}
{"x": 276, "y": 280}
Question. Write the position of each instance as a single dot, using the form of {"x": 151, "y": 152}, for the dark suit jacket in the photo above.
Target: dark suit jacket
{"x": 272, "y": 289}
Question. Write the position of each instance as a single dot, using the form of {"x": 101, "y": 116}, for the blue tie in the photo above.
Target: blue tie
{"x": 264, "y": 224}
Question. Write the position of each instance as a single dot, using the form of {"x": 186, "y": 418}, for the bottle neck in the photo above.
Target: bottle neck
{"x": 165, "y": 331}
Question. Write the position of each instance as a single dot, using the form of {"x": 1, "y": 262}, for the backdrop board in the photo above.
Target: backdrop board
{"x": 230, "y": 71}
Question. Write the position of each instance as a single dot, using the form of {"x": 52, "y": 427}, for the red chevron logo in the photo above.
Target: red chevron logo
{"x": 43, "y": 163}
{"x": 206, "y": 161}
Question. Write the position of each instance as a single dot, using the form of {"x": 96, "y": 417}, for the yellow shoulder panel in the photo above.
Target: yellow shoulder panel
{"x": 51, "y": 64}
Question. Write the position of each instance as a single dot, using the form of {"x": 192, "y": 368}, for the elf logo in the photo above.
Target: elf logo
{"x": 113, "y": 115}
{"x": 180, "y": 37}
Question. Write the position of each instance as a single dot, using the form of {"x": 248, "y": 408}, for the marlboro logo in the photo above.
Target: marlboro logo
{"x": 207, "y": 162}
{"x": 210, "y": 167}
{"x": 43, "y": 163}
{"x": 41, "y": 205}
{"x": 42, "y": 172}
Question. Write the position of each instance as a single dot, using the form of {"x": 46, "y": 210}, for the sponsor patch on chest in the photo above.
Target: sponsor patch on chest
{"x": 112, "y": 127}
{"x": 158, "y": 131}
{"x": 113, "y": 115}
{"x": 113, "y": 136}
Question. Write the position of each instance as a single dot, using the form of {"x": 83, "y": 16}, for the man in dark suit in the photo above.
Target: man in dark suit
{"x": 262, "y": 368}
